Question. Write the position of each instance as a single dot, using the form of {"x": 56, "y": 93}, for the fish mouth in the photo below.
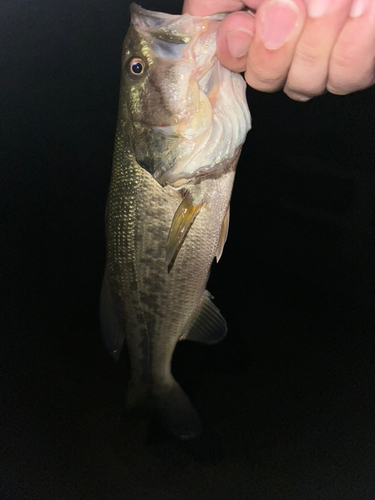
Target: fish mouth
{"x": 173, "y": 28}
{"x": 211, "y": 122}
{"x": 216, "y": 129}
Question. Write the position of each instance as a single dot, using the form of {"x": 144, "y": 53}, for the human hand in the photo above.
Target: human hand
{"x": 303, "y": 46}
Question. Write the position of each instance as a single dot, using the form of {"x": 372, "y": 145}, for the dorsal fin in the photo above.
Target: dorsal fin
{"x": 223, "y": 236}
{"x": 209, "y": 326}
{"x": 181, "y": 223}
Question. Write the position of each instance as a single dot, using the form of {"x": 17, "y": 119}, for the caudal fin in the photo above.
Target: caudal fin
{"x": 170, "y": 404}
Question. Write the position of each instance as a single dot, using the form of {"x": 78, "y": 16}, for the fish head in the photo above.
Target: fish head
{"x": 172, "y": 93}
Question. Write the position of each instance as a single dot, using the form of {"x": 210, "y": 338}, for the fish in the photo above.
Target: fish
{"x": 182, "y": 121}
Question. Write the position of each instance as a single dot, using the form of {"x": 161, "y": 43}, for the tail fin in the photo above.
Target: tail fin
{"x": 171, "y": 405}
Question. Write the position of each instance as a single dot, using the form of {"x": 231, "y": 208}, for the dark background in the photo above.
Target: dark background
{"x": 288, "y": 398}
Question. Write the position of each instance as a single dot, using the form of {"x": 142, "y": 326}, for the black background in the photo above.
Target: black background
{"x": 288, "y": 397}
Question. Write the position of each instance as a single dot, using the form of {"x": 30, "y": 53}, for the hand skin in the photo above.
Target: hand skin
{"x": 303, "y": 46}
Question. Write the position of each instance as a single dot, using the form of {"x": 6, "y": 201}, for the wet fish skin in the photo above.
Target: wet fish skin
{"x": 150, "y": 302}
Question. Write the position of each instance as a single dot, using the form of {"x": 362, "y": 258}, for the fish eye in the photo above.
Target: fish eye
{"x": 136, "y": 67}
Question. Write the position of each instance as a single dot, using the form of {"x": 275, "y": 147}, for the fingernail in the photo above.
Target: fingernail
{"x": 279, "y": 19}
{"x": 359, "y": 7}
{"x": 317, "y": 8}
{"x": 239, "y": 41}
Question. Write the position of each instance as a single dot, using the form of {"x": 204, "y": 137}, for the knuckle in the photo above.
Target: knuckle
{"x": 307, "y": 55}
{"x": 264, "y": 80}
{"x": 350, "y": 68}
{"x": 296, "y": 96}
{"x": 303, "y": 91}
{"x": 343, "y": 60}
{"x": 349, "y": 73}
{"x": 338, "y": 89}
{"x": 343, "y": 84}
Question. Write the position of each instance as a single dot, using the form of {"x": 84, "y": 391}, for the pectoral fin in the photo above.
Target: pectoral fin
{"x": 182, "y": 222}
{"x": 209, "y": 327}
{"x": 223, "y": 236}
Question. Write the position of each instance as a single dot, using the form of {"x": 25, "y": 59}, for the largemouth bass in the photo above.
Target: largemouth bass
{"x": 182, "y": 121}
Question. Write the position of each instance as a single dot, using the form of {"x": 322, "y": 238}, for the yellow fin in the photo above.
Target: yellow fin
{"x": 223, "y": 236}
{"x": 182, "y": 222}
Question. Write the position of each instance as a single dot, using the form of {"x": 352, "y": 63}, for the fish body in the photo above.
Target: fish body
{"x": 178, "y": 139}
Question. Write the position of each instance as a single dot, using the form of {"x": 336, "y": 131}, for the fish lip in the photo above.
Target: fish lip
{"x": 137, "y": 9}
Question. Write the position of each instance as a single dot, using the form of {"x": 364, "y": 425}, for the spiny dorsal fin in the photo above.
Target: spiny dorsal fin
{"x": 223, "y": 236}
{"x": 209, "y": 326}
{"x": 182, "y": 222}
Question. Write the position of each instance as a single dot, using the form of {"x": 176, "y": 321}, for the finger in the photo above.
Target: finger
{"x": 233, "y": 40}
{"x": 352, "y": 62}
{"x": 208, "y": 7}
{"x": 308, "y": 73}
{"x": 278, "y": 25}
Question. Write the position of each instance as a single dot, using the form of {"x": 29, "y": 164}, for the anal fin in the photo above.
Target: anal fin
{"x": 209, "y": 326}
{"x": 181, "y": 223}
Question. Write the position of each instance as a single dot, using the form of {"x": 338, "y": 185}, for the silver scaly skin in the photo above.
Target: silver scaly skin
{"x": 182, "y": 121}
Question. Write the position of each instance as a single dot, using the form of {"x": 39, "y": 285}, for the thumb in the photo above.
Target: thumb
{"x": 233, "y": 40}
